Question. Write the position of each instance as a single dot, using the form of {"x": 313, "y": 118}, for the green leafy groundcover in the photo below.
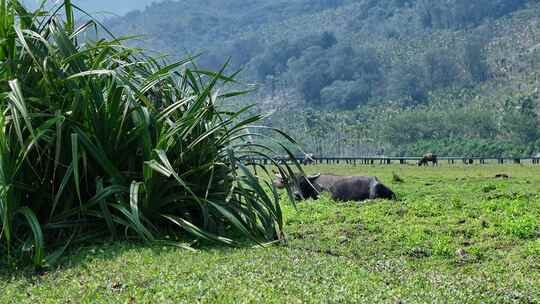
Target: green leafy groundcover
{"x": 99, "y": 141}
{"x": 466, "y": 238}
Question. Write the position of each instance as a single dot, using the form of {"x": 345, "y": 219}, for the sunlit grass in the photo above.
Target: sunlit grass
{"x": 449, "y": 242}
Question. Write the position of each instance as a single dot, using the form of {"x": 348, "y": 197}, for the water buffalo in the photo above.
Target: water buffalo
{"x": 341, "y": 188}
{"x": 429, "y": 157}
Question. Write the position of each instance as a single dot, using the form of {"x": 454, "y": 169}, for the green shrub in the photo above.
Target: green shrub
{"x": 99, "y": 141}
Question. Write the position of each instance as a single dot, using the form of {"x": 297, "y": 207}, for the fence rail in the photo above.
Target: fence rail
{"x": 387, "y": 160}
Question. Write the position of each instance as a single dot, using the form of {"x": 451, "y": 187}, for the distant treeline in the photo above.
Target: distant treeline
{"x": 471, "y": 130}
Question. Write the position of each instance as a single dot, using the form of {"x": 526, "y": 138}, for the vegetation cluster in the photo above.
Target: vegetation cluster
{"x": 99, "y": 141}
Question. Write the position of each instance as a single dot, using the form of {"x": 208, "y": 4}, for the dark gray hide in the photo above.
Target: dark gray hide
{"x": 341, "y": 188}
{"x": 429, "y": 157}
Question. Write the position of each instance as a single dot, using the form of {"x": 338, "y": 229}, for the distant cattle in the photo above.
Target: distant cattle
{"x": 308, "y": 159}
{"x": 341, "y": 188}
{"x": 305, "y": 159}
{"x": 429, "y": 157}
{"x": 283, "y": 159}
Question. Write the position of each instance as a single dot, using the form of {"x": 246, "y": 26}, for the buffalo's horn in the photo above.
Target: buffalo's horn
{"x": 314, "y": 176}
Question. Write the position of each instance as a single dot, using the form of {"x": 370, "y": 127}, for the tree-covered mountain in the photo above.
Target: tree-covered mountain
{"x": 367, "y": 76}
{"x": 100, "y": 8}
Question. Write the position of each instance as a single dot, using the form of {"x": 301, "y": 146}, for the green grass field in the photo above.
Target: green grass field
{"x": 456, "y": 235}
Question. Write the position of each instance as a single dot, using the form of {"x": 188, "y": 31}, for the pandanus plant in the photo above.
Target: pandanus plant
{"x": 100, "y": 141}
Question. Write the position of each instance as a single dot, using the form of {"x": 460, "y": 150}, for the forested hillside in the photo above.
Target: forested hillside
{"x": 351, "y": 77}
{"x": 98, "y": 8}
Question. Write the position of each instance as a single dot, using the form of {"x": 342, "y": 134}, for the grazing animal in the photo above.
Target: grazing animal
{"x": 341, "y": 188}
{"x": 283, "y": 159}
{"x": 429, "y": 157}
{"x": 308, "y": 159}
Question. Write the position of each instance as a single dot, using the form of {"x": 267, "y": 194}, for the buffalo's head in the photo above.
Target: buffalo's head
{"x": 303, "y": 187}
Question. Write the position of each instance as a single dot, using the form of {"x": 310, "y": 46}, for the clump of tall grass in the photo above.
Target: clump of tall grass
{"x": 99, "y": 141}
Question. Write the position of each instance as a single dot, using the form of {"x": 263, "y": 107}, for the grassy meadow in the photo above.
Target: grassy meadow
{"x": 456, "y": 235}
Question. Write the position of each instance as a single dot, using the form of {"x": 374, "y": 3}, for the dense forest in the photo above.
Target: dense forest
{"x": 355, "y": 77}
{"x": 97, "y": 8}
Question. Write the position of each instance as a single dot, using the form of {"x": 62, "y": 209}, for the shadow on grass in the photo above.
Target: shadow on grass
{"x": 104, "y": 251}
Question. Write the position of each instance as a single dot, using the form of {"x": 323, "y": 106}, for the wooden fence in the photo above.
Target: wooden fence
{"x": 386, "y": 160}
